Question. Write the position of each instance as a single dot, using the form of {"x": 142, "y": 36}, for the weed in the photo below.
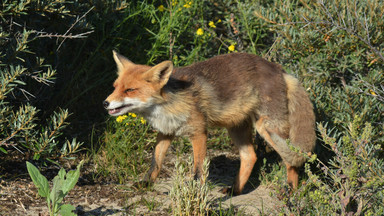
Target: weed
{"x": 150, "y": 204}
{"x": 125, "y": 154}
{"x": 189, "y": 197}
{"x": 62, "y": 184}
{"x": 272, "y": 173}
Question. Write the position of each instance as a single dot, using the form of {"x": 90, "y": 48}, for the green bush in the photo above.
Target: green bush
{"x": 336, "y": 49}
{"x": 352, "y": 182}
{"x": 25, "y": 80}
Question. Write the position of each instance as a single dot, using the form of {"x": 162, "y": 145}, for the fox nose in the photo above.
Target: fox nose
{"x": 105, "y": 104}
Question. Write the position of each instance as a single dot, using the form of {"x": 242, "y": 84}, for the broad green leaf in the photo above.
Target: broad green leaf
{"x": 62, "y": 173}
{"x": 39, "y": 180}
{"x": 57, "y": 194}
{"x": 71, "y": 179}
{"x": 66, "y": 210}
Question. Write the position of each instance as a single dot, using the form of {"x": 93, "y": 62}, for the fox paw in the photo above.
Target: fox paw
{"x": 227, "y": 190}
{"x": 230, "y": 191}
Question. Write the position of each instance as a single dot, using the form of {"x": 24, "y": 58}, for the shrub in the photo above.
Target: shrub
{"x": 25, "y": 80}
{"x": 336, "y": 49}
{"x": 353, "y": 181}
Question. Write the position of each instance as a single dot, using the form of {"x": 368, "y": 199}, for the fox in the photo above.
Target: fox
{"x": 241, "y": 92}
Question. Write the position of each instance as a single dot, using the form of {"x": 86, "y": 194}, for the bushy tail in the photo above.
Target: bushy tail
{"x": 301, "y": 116}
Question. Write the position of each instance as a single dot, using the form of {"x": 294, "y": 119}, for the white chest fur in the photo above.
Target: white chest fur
{"x": 167, "y": 122}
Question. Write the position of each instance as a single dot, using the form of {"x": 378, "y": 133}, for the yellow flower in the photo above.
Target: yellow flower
{"x": 372, "y": 92}
{"x": 132, "y": 114}
{"x": 219, "y": 21}
{"x": 142, "y": 120}
{"x": 212, "y": 24}
{"x": 200, "y": 31}
{"x": 231, "y": 48}
{"x": 121, "y": 118}
{"x": 188, "y": 4}
{"x": 130, "y": 123}
{"x": 161, "y": 8}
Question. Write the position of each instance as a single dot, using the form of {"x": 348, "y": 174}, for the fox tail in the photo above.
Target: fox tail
{"x": 301, "y": 119}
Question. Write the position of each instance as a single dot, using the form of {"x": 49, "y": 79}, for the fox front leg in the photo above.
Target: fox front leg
{"x": 199, "y": 145}
{"x": 163, "y": 142}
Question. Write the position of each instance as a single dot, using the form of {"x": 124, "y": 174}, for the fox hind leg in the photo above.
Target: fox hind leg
{"x": 292, "y": 171}
{"x": 292, "y": 176}
{"x": 242, "y": 138}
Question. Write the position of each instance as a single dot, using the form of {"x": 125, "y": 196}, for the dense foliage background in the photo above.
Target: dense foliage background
{"x": 56, "y": 68}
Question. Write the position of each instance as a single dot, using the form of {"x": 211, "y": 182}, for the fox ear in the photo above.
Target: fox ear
{"x": 121, "y": 61}
{"x": 160, "y": 73}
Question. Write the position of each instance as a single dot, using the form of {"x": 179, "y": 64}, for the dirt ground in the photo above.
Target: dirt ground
{"x": 18, "y": 195}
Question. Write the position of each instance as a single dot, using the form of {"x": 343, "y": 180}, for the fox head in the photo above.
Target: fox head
{"x": 137, "y": 86}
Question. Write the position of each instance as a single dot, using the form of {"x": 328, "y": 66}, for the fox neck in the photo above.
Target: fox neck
{"x": 170, "y": 115}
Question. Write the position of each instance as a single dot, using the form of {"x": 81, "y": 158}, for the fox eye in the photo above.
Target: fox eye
{"x": 129, "y": 90}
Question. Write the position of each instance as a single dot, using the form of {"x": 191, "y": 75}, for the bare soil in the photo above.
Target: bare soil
{"x": 18, "y": 195}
